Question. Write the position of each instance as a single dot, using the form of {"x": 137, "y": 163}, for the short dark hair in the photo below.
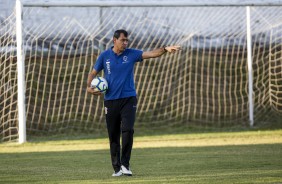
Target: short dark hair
{"x": 118, "y": 32}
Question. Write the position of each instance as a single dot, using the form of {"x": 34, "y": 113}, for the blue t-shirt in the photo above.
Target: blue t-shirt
{"x": 118, "y": 70}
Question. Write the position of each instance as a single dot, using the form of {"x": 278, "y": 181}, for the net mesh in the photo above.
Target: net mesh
{"x": 206, "y": 84}
{"x": 8, "y": 80}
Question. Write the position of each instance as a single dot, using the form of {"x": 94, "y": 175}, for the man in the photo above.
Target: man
{"x": 120, "y": 99}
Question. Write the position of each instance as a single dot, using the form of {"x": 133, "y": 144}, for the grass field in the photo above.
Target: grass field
{"x": 231, "y": 157}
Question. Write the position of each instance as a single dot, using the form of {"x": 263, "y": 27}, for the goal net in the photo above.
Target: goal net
{"x": 206, "y": 84}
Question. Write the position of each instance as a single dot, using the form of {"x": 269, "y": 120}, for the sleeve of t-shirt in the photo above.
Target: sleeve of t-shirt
{"x": 138, "y": 54}
{"x": 99, "y": 64}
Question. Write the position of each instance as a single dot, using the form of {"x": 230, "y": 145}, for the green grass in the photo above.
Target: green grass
{"x": 224, "y": 157}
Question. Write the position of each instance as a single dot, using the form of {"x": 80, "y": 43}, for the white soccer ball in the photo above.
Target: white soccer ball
{"x": 99, "y": 84}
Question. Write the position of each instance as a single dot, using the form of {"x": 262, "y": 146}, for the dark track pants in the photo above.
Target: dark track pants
{"x": 120, "y": 117}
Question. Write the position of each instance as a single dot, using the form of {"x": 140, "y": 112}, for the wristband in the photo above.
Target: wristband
{"x": 164, "y": 47}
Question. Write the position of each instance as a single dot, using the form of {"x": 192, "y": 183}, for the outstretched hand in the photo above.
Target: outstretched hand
{"x": 172, "y": 49}
{"x": 160, "y": 51}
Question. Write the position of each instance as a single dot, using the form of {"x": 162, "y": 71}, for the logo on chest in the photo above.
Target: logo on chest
{"x": 125, "y": 59}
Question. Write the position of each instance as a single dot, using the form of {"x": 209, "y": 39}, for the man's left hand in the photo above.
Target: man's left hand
{"x": 172, "y": 49}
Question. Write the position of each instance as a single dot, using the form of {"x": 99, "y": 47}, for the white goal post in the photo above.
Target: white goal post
{"x": 21, "y": 74}
{"x": 212, "y": 72}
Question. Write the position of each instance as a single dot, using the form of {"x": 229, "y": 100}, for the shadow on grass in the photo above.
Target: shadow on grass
{"x": 209, "y": 164}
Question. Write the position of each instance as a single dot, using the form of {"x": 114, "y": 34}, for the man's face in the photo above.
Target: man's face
{"x": 121, "y": 43}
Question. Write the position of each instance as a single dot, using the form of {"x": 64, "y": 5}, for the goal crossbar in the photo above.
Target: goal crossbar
{"x": 143, "y": 4}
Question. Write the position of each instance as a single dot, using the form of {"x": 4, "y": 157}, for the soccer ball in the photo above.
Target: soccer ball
{"x": 99, "y": 84}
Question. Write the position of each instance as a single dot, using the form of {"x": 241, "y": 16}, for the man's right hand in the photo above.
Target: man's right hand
{"x": 93, "y": 91}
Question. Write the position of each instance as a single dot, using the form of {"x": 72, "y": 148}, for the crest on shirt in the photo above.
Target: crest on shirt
{"x": 125, "y": 59}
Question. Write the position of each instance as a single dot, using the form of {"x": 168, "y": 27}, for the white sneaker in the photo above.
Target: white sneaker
{"x": 126, "y": 171}
{"x": 117, "y": 173}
